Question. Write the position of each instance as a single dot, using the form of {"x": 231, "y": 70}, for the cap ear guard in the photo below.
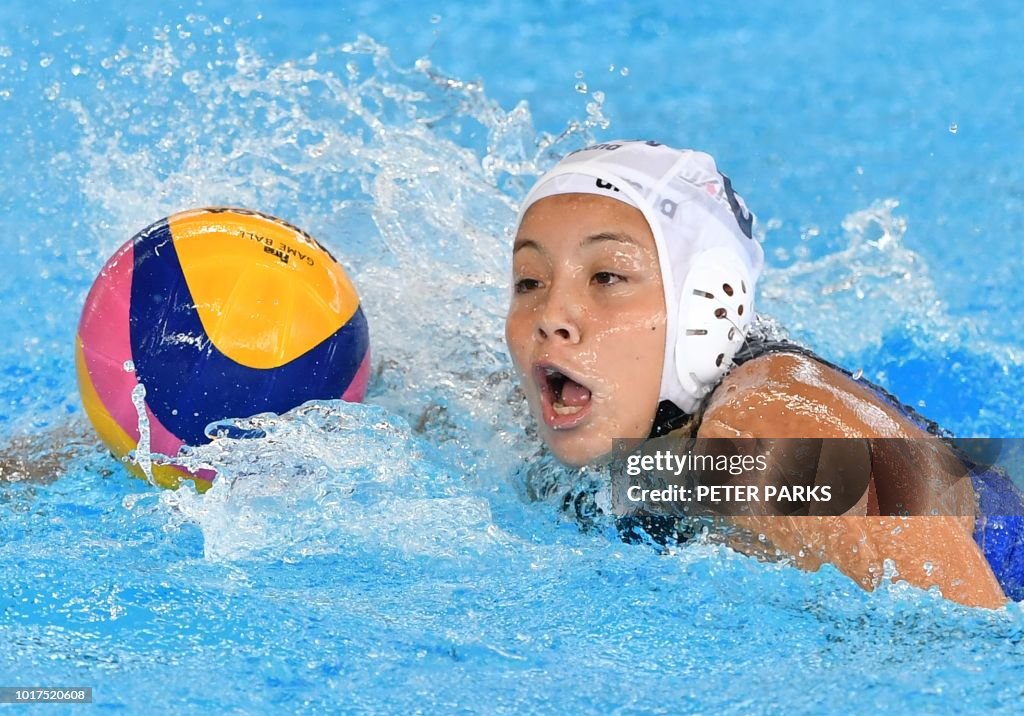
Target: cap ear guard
{"x": 715, "y": 312}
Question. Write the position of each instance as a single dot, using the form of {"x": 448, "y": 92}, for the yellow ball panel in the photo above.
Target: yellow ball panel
{"x": 265, "y": 292}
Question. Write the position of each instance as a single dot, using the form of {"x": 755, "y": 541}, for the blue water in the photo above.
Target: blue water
{"x": 388, "y": 556}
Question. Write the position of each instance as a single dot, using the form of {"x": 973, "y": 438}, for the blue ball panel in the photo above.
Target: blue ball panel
{"x": 189, "y": 382}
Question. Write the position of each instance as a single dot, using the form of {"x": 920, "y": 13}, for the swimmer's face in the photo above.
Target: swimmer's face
{"x": 586, "y": 326}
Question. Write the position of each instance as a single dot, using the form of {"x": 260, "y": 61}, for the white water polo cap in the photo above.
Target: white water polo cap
{"x": 703, "y": 231}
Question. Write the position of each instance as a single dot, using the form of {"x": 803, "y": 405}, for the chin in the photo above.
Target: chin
{"x": 575, "y": 452}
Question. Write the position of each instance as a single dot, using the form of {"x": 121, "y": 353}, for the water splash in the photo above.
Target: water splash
{"x": 875, "y": 268}
{"x": 333, "y": 477}
{"x": 141, "y": 455}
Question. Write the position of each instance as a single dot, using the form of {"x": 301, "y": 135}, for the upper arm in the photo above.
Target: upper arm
{"x": 793, "y": 396}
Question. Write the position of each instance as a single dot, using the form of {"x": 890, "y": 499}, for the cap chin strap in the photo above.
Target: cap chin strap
{"x": 715, "y": 312}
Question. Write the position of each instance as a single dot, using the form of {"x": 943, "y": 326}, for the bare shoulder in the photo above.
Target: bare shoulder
{"x": 786, "y": 395}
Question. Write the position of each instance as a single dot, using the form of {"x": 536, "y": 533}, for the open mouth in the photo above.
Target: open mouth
{"x": 565, "y": 401}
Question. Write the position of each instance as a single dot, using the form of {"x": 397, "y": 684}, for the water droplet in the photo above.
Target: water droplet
{"x": 858, "y": 374}
{"x": 928, "y": 568}
{"x": 434, "y": 19}
{"x": 129, "y": 366}
{"x": 581, "y": 87}
{"x": 954, "y": 128}
{"x": 130, "y": 502}
{"x": 579, "y": 74}
{"x": 611, "y": 68}
{"x": 76, "y": 70}
{"x": 46, "y": 61}
{"x": 624, "y": 72}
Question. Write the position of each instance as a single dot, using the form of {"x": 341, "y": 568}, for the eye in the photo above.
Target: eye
{"x": 525, "y": 285}
{"x": 606, "y": 278}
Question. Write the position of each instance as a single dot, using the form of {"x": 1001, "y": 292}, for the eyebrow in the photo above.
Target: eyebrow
{"x": 524, "y": 243}
{"x": 592, "y": 239}
{"x": 609, "y": 236}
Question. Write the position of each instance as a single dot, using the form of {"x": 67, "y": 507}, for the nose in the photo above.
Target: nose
{"x": 558, "y": 319}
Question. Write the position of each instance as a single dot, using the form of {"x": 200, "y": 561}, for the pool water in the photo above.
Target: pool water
{"x": 388, "y": 556}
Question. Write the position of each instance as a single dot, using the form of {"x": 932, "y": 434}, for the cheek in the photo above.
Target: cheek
{"x": 650, "y": 351}
{"x": 517, "y": 334}
{"x": 638, "y": 337}
{"x": 638, "y": 357}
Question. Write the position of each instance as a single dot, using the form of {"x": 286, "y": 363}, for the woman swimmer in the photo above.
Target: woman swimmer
{"x": 634, "y": 267}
